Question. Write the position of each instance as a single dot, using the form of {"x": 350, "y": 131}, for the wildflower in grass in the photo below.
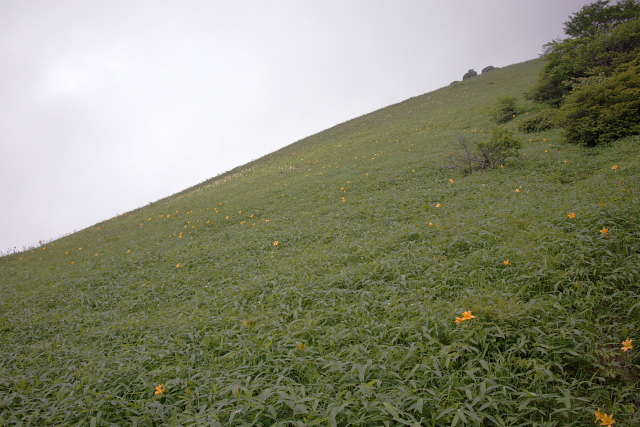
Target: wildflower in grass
{"x": 178, "y": 265}
{"x": 605, "y": 419}
{"x": 160, "y": 388}
{"x": 465, "y": 316}
{"x": 129, "y": 251}
{"x": 344, "y": 200}
{"x": 518, "y": 190}
{"x": 604, "y": 230}
{"x": 507, "y": 262}
{"x": 614, "y": 167}
{"x": 301, "y": 346}
{"x": 431, "y": 224}
{"x": 276, "y": 243}
{"x": 627, "y": 345}
{"x": 438, "y": 205}
{"x": 571, "y": 215}
{"x": 245, "y": 323}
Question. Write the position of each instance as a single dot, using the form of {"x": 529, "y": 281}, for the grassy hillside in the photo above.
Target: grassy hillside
{"x": 320, "y": 285}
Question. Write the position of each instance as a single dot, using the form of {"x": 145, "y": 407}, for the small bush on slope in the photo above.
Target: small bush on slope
{"x": 484, "y": 155}
{"x": 505, "y": 110}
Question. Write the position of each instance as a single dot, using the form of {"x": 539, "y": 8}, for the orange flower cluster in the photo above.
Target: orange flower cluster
{"x": 605, "y": 419}
{"x": 465, "y": 316}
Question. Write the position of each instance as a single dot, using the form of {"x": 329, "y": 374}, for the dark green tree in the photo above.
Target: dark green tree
{"x": 602, "y": 37}
{"x": 600, "y": 16}
{"x": 564, "y": 64}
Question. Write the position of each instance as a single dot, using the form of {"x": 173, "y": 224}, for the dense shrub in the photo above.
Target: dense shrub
{"x": 607, "y": 51}
{"x": 502, "y": 144}
{"x": 487, "y": 69}
{"x": 469, "y": 74}
{"x": 544, "y": 120}
{"x": 505, "y": 110}
{"x": 602, "y": 109}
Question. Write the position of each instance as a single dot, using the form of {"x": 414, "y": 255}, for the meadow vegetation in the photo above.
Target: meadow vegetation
{"x": 348, "y": 279}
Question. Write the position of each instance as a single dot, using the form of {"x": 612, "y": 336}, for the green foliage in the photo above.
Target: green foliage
{"x": 604, "y": 37}
{"x": 505, "y": 110}
{"x": 600, "y": 16}
{"x": 502, "y": 145}
{"x": 602, "y": 109}
{"x": 564, "y": 64}
{"x": 607, "y": 51}
{"x": 582, "y": 69}
{"x": 484, "y": 155}
{"x": 543, "y": 120}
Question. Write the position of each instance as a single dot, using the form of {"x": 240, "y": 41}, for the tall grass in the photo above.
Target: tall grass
{"x": 320, "y": 285}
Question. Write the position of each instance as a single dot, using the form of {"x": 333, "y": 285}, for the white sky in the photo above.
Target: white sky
{"x": 106, "y": 106}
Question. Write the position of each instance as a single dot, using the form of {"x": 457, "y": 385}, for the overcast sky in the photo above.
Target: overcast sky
{"x": 106, "y": 106}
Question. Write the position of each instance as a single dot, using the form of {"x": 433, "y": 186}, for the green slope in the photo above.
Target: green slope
{"x": 320, "y": 285}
